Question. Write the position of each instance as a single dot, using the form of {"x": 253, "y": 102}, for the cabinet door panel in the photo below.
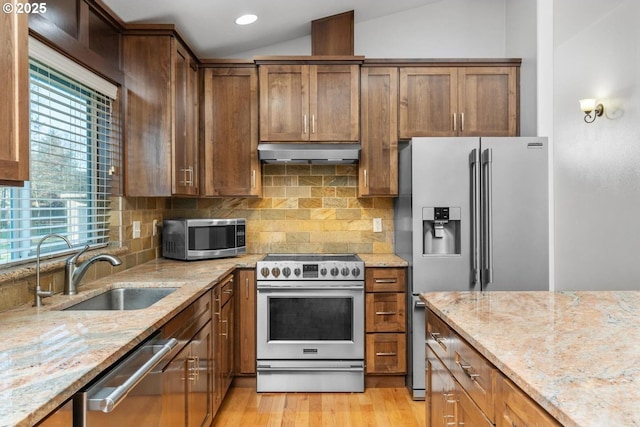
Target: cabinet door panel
{"x": 334, "y": 102}
{"x": 386, "y": 312}
{"x": 199, "y": 370}
{"x": 467, "y": 412}
{"x": 230, "y": 159}
{"x": 428, "y": 102}
{"x": 245, "y": 351}
{"x": 174, "y": 400}
{"x": 488, "y": 99}
{"x": 284, "y": 103}
{"x": 441, "y": 403}
{"x": 514, "y": 408}
{"x": 386, "y": 353}
{"x": 14, "y": 102}
{"x": 379, "y": 121}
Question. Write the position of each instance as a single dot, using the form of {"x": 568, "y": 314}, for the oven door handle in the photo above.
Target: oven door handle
{"x": 352, "y": 368}
{"x": 269, "y": 288}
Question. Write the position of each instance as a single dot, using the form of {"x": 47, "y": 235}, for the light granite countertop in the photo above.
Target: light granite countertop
{"x": 47, "y": 355}
{"x": 576, "y": 353}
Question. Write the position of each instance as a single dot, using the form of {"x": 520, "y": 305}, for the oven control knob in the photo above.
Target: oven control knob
{"x": 264, "y": 271}
{"x": 334, "y": 271}
{"x": 286, "y": 272}
{"x": 296, "y": 271}
{"x": 345, "y": 271}
{"x": 275, "y": 271}
{"x": 355, "y": 272}
{"x": 323, "y": 271}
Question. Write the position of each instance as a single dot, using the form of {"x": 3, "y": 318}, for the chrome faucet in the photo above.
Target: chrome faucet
{"x": 73, "y": 273}
{"x": 39, "y": 293}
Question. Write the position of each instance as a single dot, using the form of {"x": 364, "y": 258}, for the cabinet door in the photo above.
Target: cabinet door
{"x": 245, "y": 351}
{"x": 199, "y": 370}
{"x": 230, "y": 148}
{"x": 428, "y": 101}
{"x": 488, "y": 101}
{"x": 334, "y": 102}
{"x": 14, "y": 102}
{"x": 225, "y": 350}
{"x": 467, "y": 412}
{"x": 174, "y": 410}
{"x": 515, "y": 408}
{"x": 149, "y": 131}
{"x": 284, "y": 103}
{"x": 185, "y": 108}
{"x": 441, "y": 403}
{"x": 378, "y": 170}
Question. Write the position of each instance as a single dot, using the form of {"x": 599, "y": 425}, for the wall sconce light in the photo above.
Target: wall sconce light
{"x": 591, "y": 105}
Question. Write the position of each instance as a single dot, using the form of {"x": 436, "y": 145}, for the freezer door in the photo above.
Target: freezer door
{"x": 442, "y": 213}
{"x": 515, "y": 214}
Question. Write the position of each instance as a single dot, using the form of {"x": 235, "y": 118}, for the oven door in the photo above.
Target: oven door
{"x": 310, "y": 320}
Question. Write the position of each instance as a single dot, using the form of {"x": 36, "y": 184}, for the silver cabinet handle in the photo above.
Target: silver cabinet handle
{"x": 385, "y": 313}
{"x": 253, "y": 178}
{"x": 313, "y": 123}
{"x": 386, "y": 280}
{"x": 246, "y": 288}
{"x": 438, "y": 338}
{"x": 487, "y": 160}
{"x": 304, "y": 123}
{"x": 386, "y": 354}
{"x": 468, "y": 370}
{"x": 188, "y": 179}
{"x": 226, "y": 333}
{"x": 366, "y": 183}
{"x": 455, "y": 122}
{"x": 461, "y": 122}
{"x": 117, "y": 394}
{"x": 193, "y": 368}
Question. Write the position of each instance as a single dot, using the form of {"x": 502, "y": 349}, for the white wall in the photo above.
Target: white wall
{"x": 443, "y": 29}
{"x": 597, "y": 166}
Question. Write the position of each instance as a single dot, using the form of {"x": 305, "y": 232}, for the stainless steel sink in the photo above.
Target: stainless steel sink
{"x": 123, "y": 299}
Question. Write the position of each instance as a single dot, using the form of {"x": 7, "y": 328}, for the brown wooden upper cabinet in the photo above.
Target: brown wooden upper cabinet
{"x": 314, "y": 103}
{"x": 230, "y": 165}
{"x": 459, "y": 101}
{"x": 378, "y": 169}
{"x": 161, "y": 146}
{"x": 14, "y": 102}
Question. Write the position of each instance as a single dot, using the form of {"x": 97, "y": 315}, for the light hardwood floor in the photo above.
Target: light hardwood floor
{"x": 376, "y": 407}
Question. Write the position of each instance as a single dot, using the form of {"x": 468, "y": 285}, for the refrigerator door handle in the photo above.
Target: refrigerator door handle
{"x": 474, "y": 162}
{"x": 487, "y": 160}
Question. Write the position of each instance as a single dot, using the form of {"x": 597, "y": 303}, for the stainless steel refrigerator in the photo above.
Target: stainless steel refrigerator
{"x": 471, "y": 215}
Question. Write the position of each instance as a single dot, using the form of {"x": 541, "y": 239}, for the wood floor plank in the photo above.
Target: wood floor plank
{"x": 376, "y": 407}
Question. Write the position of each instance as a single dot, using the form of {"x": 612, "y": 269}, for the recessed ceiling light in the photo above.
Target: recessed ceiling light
{"x": 246, "y": 19}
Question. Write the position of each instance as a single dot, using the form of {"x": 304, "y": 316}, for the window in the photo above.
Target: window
{"x": 74, "y": 148}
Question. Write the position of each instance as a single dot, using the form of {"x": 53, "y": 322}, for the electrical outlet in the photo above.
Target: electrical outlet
{"x": 154, "y": 227}
{"x": 377, "y": 225}
{"x": 136, "y": 229}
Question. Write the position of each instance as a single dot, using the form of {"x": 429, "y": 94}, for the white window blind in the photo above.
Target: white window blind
{"x": 74, "y": 147}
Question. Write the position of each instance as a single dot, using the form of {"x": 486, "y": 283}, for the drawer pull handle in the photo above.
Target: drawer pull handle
{"x": 386, "y": 354}
{"x": 467, "y": 369}
{"x": 438, "y": 338}
{"x": 228, "y": 291}
{"x": 385, "y": 313}
{"x": 386, "y": 280}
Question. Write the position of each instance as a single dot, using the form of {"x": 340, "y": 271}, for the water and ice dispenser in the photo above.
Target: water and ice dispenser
{"x": 441, "y": 231}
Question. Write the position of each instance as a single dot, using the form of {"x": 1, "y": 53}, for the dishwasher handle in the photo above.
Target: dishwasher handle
{"x": 105, "y": 399}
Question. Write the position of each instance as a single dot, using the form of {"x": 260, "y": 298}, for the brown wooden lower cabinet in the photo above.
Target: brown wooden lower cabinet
{"x": 464, "y": 388}
{"x": 245, "y": 343}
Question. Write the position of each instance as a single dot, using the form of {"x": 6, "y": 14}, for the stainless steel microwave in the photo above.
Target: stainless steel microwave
{"x": 194, "y": 239}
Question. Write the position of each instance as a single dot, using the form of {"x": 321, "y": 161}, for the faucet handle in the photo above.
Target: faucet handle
{"x": 74, "y": 258}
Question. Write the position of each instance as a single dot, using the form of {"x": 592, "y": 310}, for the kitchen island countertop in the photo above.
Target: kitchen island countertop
{"x": 575, "y": 353}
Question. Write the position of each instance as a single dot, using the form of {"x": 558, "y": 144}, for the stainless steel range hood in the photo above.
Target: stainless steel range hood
{"x": 312, "y": 153}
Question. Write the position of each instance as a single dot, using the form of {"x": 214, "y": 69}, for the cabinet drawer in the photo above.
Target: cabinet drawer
{"x": 475, "y": 374}
{"x": 439, "y": 338}
{"x": 386, "y": 312}
{"x": 226, "y": 289}
{"x": 189, "y": 320}
{"x": 514, "y": 408}
{"x": 386, "y": 353}
{"x": 385, "y": 279}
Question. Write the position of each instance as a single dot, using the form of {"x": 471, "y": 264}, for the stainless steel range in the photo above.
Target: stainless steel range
{"x": 310, "y": 323}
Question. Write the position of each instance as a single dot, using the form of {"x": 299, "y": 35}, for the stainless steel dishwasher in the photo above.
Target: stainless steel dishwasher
{"x": 130, "y": 393}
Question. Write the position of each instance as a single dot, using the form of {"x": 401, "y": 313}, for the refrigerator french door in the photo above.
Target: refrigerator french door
{"x": 478, "y": 209}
